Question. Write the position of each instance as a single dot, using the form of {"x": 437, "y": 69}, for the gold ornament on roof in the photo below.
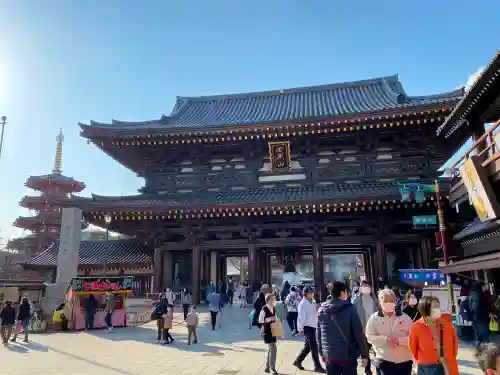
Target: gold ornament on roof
{"x": 59, "y": 151}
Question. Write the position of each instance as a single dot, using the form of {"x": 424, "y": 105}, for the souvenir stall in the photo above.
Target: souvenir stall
{"x": 81, "y": 288}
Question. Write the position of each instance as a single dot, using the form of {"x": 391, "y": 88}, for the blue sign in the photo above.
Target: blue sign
{"x": 430, "y": 276}
{"x": 424, "y": 220}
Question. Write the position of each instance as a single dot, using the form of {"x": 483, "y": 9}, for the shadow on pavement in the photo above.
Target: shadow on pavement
{"x": 22, "y": 347}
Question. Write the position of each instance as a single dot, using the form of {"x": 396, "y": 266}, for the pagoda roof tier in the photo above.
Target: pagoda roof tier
{"x": 35, "y": 221}
{"x": 258, "y": 200}
{"x": 94, "y": 253}
{"x": 39, "y": 201}
{"x": 367, "y": 98}
{"x": 41, "y": 183}
{"x": 482, "y": 101}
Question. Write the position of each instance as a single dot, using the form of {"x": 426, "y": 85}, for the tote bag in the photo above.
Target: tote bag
{"x": 277, "y": 329}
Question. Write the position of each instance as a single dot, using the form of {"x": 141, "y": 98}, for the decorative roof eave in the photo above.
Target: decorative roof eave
{"x": 242, "y": 210}
{"x": 355, "y": 122}
{"x": 478, "y": 231}
{"x": 38, "y": 200}
{"x": 41, "y": 182}
{"x": 485, "y": 82}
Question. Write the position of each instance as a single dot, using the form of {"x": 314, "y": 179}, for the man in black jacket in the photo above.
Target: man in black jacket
{"x": 340, "y": 333}
{"x": 8, "y": 317}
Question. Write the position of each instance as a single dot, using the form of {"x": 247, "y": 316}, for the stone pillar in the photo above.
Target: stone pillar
{"x": 196, "y": 274}
{"x": 158, "y": 270}
{"x": 381, "y": 254}
{"x": 69, "y": 245}
{"x": 319, "y": 271}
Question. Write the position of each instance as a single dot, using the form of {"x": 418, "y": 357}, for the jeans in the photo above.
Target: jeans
{"x": 481, "y": 333}
{"x": 430, "y": 370}
{"x": 108, "y": 319}
{"x": 345, "y": 368}
{"x": 272, "y": 352}
{"x": 5, "y": 332}
{"x": 89, "y": 319}
{"x": 310, "y": 346}
{"x": 230, "y": 296}
{"x": 213, "y": 318}
{"x": 25, "y": 324}
{"x": 291, "y": 319}
{"x": 185, "y": 310}
{"x": 391, "y": 368}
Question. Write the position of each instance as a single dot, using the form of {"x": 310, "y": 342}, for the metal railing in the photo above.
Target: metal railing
{"x": 487, "y": 148}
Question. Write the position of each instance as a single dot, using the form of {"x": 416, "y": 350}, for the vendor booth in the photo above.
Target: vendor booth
{"x": 80, "y": 290}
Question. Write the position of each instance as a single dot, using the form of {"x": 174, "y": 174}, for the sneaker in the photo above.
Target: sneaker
{"x": 298, "y": 365}
{"x": 25, "y": 341}
{"x": 13, "y": 339}
{"x": 275, "y": 372}
{"x": 195, "y": 342}
{"x": 158, "y": 342}
{"x": 320, "y": 370}
{"x": 267, "y": 370}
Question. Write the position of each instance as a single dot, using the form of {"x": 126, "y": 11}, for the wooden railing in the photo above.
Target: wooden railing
{"x": 485, "y": 145}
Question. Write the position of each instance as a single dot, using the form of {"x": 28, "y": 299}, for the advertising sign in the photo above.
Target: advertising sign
{"x": 97, "y": 285}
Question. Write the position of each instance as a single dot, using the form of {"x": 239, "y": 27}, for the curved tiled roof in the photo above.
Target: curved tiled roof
{"x": 99, "y": 252}
{"x": 287, "y": 105}
{"x": 340, "y": 192}
{"x": 54, "y": 177}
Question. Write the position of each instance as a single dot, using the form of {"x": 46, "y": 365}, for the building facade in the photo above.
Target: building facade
{"x": 287, "y": 173}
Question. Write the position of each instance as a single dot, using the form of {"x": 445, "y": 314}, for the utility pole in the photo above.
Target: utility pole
{"x": 4, "y": 121}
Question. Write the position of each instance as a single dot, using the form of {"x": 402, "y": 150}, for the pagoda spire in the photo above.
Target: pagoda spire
{"x": 59, "y": 151}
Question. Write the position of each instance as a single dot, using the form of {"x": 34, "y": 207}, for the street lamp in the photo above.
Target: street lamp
{"x": 4, "y": 121}
{"x": 107, "y": 220}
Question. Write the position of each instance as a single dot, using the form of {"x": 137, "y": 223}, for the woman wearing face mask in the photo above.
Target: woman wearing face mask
{"x": 433, "y": 341}
{"x": 267, "y": 315}
{"x": 387, "y": 330}
{"x": 411, "y": 306}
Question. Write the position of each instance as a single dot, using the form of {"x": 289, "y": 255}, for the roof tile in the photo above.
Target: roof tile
{"x": 287, "y": 105}
{"x": 99, "y": 252}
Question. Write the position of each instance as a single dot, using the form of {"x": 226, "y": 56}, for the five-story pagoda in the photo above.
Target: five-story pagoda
{"x": 45, "y": 224}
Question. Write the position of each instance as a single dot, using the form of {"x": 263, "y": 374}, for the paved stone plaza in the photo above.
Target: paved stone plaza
{"x": 234, "y": 349}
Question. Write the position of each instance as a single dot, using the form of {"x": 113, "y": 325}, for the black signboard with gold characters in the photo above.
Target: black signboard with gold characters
{"x": 279, "y": 156}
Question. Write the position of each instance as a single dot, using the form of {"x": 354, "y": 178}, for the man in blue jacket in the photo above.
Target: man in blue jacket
{"x": 340, "y": 333}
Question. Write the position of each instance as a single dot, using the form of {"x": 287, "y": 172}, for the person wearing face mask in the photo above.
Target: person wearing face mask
{"x": 170, "y": 296}
{"x": 366, "y": 304}
{"x": 387, "y": 330}
{"x": 410, "y": 306}
{"x": 267, "y": 316}
{"x": 433, "y": 340}
{"x": 488, "y": 358}
{"x": 306, "y": 325}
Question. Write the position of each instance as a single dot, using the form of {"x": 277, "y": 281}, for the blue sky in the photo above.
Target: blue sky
{"x": 62, "y": 62}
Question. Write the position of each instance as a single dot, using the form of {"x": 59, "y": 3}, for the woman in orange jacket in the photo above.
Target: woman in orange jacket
{"x": 433, "y": 341}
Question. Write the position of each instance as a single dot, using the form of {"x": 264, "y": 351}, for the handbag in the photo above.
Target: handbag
{"x": 277, "y": 329}
{"x": 439, "y": 348}
{"x": 494, "y": 327}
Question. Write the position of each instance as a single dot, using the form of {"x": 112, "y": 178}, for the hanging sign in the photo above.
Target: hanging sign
{"x": 99, "y": 285}
{"x": 280, "y": 156}
{"x": 430, "y": 276}
{"x": 424, "y": 220}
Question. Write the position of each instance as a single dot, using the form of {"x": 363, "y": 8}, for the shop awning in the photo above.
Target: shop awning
{"x": 482, "y": 262}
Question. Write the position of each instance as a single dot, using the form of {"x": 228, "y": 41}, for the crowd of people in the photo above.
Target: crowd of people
{"x": 405, "y": 335}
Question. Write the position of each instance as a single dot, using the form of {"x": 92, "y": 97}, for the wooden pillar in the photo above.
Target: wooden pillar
{"x": 426, "y": 252}
{"x": 196, "y": 274}
{"x": 319, "y": 271}
{"x": 222, "y": 270}
{"x": 159, "y": 256}
{"x": 367, "y": 267}
{"x": 214, "y": 268}
{"x": 205, "y": 273}
{"x": 261, "y": 269}
{"x": 381, "y": 254}
{"x": 252, "y": 265}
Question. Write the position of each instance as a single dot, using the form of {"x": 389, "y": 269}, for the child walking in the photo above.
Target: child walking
{"x": 191, "y": 324}
{"x": 488, "y": 358}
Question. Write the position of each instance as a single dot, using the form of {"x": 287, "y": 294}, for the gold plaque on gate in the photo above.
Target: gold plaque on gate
{"x": 279, "y": 156}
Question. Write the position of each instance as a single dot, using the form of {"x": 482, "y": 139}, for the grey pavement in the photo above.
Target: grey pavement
{"x": 232, "y": 350}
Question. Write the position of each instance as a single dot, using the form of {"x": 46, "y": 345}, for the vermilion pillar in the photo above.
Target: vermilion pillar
{"x": 196, "y": 274}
